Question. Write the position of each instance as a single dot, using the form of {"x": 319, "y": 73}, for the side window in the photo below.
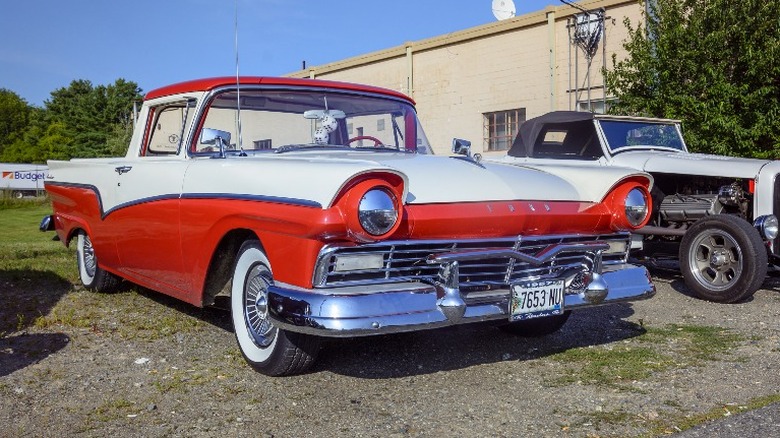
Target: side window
{"x": 553, "y": 144}
{"x": 575, "y": 140}
{"x": 167, "y": 129}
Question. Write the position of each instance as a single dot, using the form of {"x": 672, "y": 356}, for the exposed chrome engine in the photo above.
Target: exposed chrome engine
{"x": 688, "y": 208}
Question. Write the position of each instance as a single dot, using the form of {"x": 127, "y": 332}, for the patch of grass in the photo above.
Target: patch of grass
{"x": 79, "y": 309}
{"x": 599, "y": 418}
{"x": 9, "y": 203}
{"x": 672, "y": 403}
{"x": 659, "y": 349}
{"x": 699, "y": 343}
{"x": 608, "y": 366}
{"x": 24, "y": 248}
{"x": 179, "y": 380}
{"x": 128, "y": 314}
{"x": 45, "y": 374}
{"x": 679, "y": 422}
{"x": 111, "y": 410}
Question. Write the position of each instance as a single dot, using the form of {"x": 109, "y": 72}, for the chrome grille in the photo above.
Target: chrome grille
{"x": 407, "y": 260}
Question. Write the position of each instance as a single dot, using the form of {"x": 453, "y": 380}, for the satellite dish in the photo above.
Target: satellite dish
{"x": 503, "y": 9}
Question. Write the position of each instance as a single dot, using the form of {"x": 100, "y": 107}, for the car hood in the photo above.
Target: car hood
{"x": 591, "y": 182}
{"x": 318, "y": 177}
{"x": 690, "y": 164}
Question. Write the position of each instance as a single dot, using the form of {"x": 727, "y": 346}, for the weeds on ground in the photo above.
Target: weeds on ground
{"x": 657, "y": 350}
{"x": 673, "y": 423}
{"x": 111, "y": 410}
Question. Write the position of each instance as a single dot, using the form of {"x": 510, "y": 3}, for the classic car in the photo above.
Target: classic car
{"x": 316, "y": 209}
{"x": 715, "y": 215}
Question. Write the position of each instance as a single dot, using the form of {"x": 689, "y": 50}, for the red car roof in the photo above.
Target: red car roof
{"x": 211, "y": 83}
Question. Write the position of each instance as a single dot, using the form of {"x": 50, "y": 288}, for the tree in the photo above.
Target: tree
{"x": 715, "y": 64}
{"x": 26, "y": 147}
{"x": 92, "y": 115}
{"x": 14, "y": 116}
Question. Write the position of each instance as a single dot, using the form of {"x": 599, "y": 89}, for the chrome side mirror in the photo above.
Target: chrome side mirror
{"x": 461, "y": 147}
{"x": 215, "y": 137}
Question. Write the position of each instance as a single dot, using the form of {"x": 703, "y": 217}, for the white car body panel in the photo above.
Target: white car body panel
{"x": 154, "y": 177}
{"x": 689, "y": 164}
{"x": 591, "y": 182}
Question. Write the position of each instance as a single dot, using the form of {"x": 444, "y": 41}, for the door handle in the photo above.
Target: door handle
{"x": 123, "y": 169}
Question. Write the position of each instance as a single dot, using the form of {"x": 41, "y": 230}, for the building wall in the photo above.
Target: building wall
{"x": 524, "y": 62}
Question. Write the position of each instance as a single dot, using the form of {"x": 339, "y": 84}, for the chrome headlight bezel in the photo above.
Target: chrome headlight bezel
{"x": 378, "y": 211}
{"x": 767, "y": 226}
{"x": 636, "y": 207}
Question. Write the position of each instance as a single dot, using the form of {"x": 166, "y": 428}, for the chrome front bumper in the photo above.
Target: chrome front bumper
{"x": 404, "y": 307}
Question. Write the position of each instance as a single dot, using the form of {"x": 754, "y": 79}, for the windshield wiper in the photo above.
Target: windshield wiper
{"x": 380, "y": 147}
{"x": 297, "y": 147}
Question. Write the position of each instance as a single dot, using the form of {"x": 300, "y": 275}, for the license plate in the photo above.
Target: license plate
{"x": 535, "y": 299}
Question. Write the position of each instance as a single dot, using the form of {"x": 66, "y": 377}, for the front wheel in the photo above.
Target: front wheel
{"x": 536, "y": 327}
{"x": 266, "y": 348}
{"x": 723, "y": 259}
{"x": 92, "y": 276}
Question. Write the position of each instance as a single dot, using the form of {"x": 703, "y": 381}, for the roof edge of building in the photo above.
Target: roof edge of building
{"x": 482, "y": 31}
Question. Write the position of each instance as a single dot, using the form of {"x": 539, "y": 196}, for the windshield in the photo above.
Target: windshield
{"x": 285, "y": 120}
{"x": 641, "y": 135}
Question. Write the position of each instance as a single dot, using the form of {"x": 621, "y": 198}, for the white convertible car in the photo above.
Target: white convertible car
{"x": 717, "y": 215}
{"x": 316, "y": 209}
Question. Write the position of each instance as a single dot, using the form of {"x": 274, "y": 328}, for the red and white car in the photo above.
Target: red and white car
{"x": 319, "y": 210}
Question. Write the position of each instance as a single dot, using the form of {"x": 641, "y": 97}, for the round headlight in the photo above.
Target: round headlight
{"x": 636, "y": 207}
{"x": 767, "y": 226}
{"x": 377, "y": 212}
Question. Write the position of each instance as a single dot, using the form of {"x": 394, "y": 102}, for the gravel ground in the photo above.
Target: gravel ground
{"x": 138, "y": 364}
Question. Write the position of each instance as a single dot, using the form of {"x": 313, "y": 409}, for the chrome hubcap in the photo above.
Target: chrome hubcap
{"x": 256, "y": 306}
{"x": 718, "y": 259}
{"x": 88, "y": 254}
{"x": 715, "y": 260}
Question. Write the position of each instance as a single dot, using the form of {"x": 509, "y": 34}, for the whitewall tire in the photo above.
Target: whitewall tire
{"x": 92, "y": 276}
{"x": 266, "y": 348}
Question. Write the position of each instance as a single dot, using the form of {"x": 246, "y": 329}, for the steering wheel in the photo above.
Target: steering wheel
{"x": 377, "y": 142}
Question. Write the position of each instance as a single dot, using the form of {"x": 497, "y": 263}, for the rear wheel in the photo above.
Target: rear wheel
{"x": 92, "y": 276}
{"x": 268, "y": 349}
{"x": 723, "y": 259}
{"x": 536, "y": 327}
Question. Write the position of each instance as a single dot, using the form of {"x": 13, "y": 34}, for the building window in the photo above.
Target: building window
{"x": 262, "y": 144}
{"x": 597, "y": 106}
{"x": 500, "y": 128}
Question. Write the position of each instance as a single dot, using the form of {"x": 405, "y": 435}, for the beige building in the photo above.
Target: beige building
{"x": 480, "y": 83}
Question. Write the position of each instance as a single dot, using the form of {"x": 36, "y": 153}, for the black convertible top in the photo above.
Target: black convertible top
{"x": 532, "y": 132}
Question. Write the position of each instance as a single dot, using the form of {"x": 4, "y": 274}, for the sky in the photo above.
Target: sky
{"x": 46, "y": 44}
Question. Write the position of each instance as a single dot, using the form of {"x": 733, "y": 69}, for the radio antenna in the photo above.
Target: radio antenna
{"x": 238, "y": 86}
